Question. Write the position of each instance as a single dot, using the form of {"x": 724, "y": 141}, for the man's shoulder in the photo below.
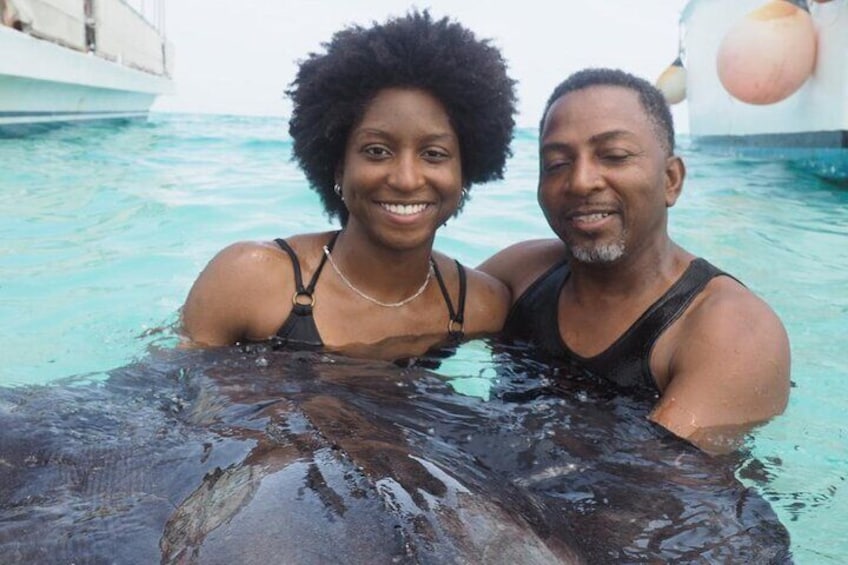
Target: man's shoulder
{"x": 726, "y": 300}
{"x": 728, "y": 363}
{"x": 727, "y": 317}
{"x": 520, "y": 264}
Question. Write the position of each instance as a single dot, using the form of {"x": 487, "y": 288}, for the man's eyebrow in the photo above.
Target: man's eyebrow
{"x": 596, "y": 139}
{"x": 554, "y": 146}
{"x": 610, "y": 135}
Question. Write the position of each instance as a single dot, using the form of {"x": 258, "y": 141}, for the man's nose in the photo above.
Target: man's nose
{"x": 585, "y": 175}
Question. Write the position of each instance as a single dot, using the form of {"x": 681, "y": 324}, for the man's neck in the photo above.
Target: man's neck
{"x": 631, "y": 276}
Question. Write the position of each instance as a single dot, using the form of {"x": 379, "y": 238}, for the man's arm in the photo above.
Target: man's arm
{"x": 729, "y": 370}
{"x": 520, "y": 264}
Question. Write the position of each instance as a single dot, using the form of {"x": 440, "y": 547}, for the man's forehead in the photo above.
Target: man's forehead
{"x": 612, "y": 107}
{"x": 595, "y": 95}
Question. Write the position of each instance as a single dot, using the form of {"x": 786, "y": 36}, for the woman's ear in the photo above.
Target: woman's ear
{"x": 338, "y": 176}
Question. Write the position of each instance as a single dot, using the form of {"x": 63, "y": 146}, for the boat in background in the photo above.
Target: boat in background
{"x": 766, "y": 78}
{"x": 69, "y": 60}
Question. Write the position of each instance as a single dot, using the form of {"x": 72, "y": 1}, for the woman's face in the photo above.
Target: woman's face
{"x": 402, "y": 177}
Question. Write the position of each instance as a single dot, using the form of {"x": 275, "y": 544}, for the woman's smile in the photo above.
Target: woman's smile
{"x": 404, "y": 209}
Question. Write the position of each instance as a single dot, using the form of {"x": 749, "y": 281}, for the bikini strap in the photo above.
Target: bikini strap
{"x": 311, "y": 288}
{"x": 300, "y": 290}
{"x": 456, "y": 322}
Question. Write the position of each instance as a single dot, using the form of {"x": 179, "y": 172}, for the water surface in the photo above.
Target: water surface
{"x": 106, "y": 226}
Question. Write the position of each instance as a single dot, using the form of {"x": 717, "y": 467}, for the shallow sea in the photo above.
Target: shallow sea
{"x": 105, "y": 227}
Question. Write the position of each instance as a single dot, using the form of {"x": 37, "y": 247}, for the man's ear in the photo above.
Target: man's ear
{"x": 675, "y": 172}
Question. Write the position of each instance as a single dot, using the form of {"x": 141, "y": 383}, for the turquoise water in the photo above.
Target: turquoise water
{"x": 105, "y": 228}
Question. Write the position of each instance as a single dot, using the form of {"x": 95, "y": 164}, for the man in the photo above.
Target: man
{"x": 614, "y": 295}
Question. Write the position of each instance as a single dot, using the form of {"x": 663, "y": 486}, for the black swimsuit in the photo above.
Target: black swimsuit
{"x": 534, "y": 319}
{"x": 299, "y": 330}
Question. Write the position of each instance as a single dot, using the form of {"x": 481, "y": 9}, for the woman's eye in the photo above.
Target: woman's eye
{"x": 376, "y": 151}
{"x": 436, "y": 155}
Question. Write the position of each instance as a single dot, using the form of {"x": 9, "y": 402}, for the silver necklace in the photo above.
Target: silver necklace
{"x": 371, "y": 298}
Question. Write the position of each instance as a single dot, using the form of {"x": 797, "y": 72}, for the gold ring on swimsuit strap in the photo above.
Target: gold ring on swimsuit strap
{"x": 299, "y": 294}
{"x": 453, "y": 324}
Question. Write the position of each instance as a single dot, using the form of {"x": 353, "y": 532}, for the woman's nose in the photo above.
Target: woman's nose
{"x": 406, "y": 173}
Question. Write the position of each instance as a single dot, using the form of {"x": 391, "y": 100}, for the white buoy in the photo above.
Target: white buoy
{"x": 769, "y": 54}
{"x": 672, "y": 82}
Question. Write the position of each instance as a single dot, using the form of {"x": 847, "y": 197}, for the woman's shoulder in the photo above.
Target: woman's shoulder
{"x": 244, "y": 291}
{"x": 263, "y": 255}
{"x": 487, "y": 299}
{"x": 306, "y": 248}
{"x": 248, "y": 252}
{"x": 220, "y": 307}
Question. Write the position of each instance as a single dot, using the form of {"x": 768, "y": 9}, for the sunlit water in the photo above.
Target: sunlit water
{"x": 104, "y": 228}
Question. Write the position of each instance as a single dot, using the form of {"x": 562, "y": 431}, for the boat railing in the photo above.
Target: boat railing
{"x": 128, "y": 32}
{"x": 151, "y": 11}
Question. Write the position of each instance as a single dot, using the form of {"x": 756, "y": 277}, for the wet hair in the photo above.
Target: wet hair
{"x": 333, "y": 89}
{"x": 650, "y": 98}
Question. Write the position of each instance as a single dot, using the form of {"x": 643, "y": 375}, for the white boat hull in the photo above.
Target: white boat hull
{"x": 43, "y": 82}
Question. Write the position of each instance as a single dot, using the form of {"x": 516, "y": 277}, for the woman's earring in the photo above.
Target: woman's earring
{"x": 338, "y": 190}
{"x": 463, "y": 196}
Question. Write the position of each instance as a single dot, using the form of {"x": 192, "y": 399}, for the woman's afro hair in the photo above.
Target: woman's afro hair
{"x": 332, "y": 90}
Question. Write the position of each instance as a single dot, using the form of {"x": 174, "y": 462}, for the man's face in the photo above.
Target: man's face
{"x": 605, "y": 179}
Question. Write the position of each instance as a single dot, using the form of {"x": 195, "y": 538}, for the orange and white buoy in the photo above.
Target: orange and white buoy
{"x": 769, "y": 54}
{"x": 672, "y": 82}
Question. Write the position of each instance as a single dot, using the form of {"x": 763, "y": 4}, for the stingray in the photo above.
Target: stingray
{"x": 249, "y": 455}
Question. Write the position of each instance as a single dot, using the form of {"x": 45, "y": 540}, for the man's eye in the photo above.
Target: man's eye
{"x": 615, "y": 156}
{"x": 555, "y": 165}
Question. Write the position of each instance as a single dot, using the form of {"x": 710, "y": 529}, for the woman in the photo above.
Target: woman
{"x": 391, "y": 124}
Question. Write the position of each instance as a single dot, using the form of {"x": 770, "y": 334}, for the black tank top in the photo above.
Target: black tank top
{"x": 299, "y": 330}
{"x": 534, "y": 319}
